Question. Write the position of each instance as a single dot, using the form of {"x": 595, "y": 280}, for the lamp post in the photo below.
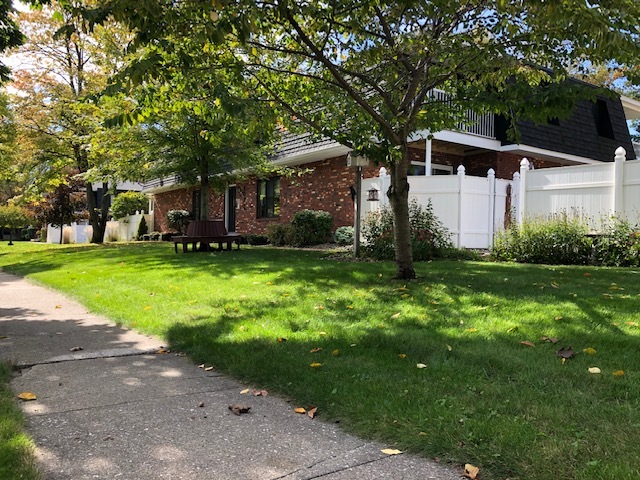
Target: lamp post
{"x": 358, "y": 162}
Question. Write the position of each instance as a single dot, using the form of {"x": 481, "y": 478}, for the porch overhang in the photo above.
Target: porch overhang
{"x": 558, "y": 157}
{"x": 631, "y": 107}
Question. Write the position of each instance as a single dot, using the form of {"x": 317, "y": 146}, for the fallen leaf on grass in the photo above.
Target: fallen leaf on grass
{"x": 316, "y": 350}
{"x": 565, "y": 352}
{"x": 239, "y": 409}
{"x": 586, "y": 274}
{"x": 618, "y": 373}
{"x": 391, "y": 451}
{"x": 402, "y": 355}
{"x": 312, "y": 412}
{"x": 282, "y": 339}
{"x": 395, "y": 315}
{"x": 558, "y": 318}
{"x": 245, "y": 391}
{"x": 549, "y": 339}
{"x": 300, "y": 410}
{"x": 336, "y": 352}
{"x": 315, "y": 365}
{"x": 421, "y": 365}
{"x": 594, "y": 370}
{"x": 527, "y": 343}
{"x": 632, "y": 324}
{"x": 589, "y": 351}
{"x": 472, "y": 330}
{"x": 27, "y": 396}
{"x": 449, "y": 348}
{"x": 471, "y": 471}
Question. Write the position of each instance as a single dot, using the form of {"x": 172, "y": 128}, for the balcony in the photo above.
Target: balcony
{"x": 478, "y": 124}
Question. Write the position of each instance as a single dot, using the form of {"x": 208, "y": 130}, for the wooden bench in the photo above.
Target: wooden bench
{"x": 206, "y": 231}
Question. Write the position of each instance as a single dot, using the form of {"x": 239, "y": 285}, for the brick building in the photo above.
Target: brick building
{"x": 593, "y": 131}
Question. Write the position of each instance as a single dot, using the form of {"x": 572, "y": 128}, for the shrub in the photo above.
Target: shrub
{"x": 429, "y": 237}
{"x": 178, "y": 219}
{"x": 257, "y": 239}
{"x": 155, "y": 236}
{"x": 311, "y": 227}
{"x": 343, "y": 235}
{"x": 279, "y": 234}
{"x": 619, "y": 245}
{"x": 142, "y": 228}
{"x": 559, "y": 240}
{"x": 128, "y": 203}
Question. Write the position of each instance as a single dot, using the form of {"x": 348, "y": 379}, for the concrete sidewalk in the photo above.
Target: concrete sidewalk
{"x": 118, "y": 410}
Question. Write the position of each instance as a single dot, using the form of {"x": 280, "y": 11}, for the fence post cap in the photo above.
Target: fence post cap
{"x": 621, "y": 153}
{"x": 461, "y": 169}
{"x": 491, "y": 173}
{"x": 516, "y": 175}
{"x": 524, "y": 163}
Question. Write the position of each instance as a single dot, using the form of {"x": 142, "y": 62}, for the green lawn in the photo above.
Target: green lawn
{"x": 516, "y": 411}
{"x": 16, "y": 449}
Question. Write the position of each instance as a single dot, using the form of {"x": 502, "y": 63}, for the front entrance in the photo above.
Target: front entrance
{"x": 230, "y": 209}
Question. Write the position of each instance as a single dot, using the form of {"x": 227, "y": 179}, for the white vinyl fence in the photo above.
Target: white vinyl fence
{"x": 593, "y": 192}
{"x": 471, "y": 208}
{"x": 124, "y": 229}
{"x": 474, "y": 208}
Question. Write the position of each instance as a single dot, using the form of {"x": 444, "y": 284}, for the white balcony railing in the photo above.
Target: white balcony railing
{"x": 481, "y": 124}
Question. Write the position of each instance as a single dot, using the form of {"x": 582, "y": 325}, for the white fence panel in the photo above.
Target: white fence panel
{"x": 631, "y": 196}
{"x": 73, "y": 233}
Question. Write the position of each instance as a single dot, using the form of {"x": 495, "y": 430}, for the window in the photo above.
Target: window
{"x": 602, "y": 119}
{"x": 419, "y": 168}
{"x": 269, "y": 198}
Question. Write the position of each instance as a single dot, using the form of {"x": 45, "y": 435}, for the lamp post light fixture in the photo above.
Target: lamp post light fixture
{"x": 373, "y": 195}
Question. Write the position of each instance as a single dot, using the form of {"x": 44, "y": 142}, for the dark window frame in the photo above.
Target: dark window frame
{"x": 268, "y": 198}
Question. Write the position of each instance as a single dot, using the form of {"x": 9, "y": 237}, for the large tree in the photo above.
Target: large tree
{"x": 10, "y": 35}
{"x": 62, "y": 66}
{"x": 362, "y": 71}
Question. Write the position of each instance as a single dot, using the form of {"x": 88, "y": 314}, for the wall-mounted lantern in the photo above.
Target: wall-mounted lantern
{"x": 372, "y": 195}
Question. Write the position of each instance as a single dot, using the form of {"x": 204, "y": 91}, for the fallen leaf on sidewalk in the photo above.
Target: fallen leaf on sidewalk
{"x": 245, "y": 391}
{"x": 208, "y": 369}
{"x": 2, "y": 337}
{"x": 239, "y": 409}
{"x": 312, "y": 412}
{"x": 471, "y": 471}
{"x": 201, "y": 365}
{"x": 300, "y": 410}
{"x": 26, "y": 396}
{"x": 161, "y": 351}
{"x": 391, "y": 451}
{"x": 76, "y": 349}
{"x": 58, "y": 306}
{"x": 259, "y": 393}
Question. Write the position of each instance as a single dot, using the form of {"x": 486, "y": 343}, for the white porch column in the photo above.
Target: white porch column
{"x": 427, "y": 158}
{"x": 618, "y": 181}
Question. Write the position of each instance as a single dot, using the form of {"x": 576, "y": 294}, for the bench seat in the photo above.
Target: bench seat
{"x": 206, "y": 231}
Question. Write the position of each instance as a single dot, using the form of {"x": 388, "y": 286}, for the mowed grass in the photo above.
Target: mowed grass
{"x": 515, "y": 411}
{"x": 16, "y": 449}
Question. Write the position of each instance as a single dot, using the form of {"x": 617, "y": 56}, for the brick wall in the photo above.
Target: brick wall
{"x": 325, "y": 187}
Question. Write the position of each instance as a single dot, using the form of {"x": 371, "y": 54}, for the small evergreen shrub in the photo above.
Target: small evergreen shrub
{"x": 178, "y": 220}
{"x": 429, "y": 237}
{"x": 142, "y": 229}
{"x": 128, "y": 203}
{"x": 280, "y": 234}
{"x": 257, "y": 239}
{"x": 155, "y": 236}
{"x": 343, "y": 235}
{"x": 619, "y": 245}
{"x": 311, "y": 227}
{"x": 559, "y": 240}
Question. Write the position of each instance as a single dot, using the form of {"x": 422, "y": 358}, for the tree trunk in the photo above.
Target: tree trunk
{"x": 205, "y": 188}
{"x": 399, "y": 201}
{"x": 96, "y": 236}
